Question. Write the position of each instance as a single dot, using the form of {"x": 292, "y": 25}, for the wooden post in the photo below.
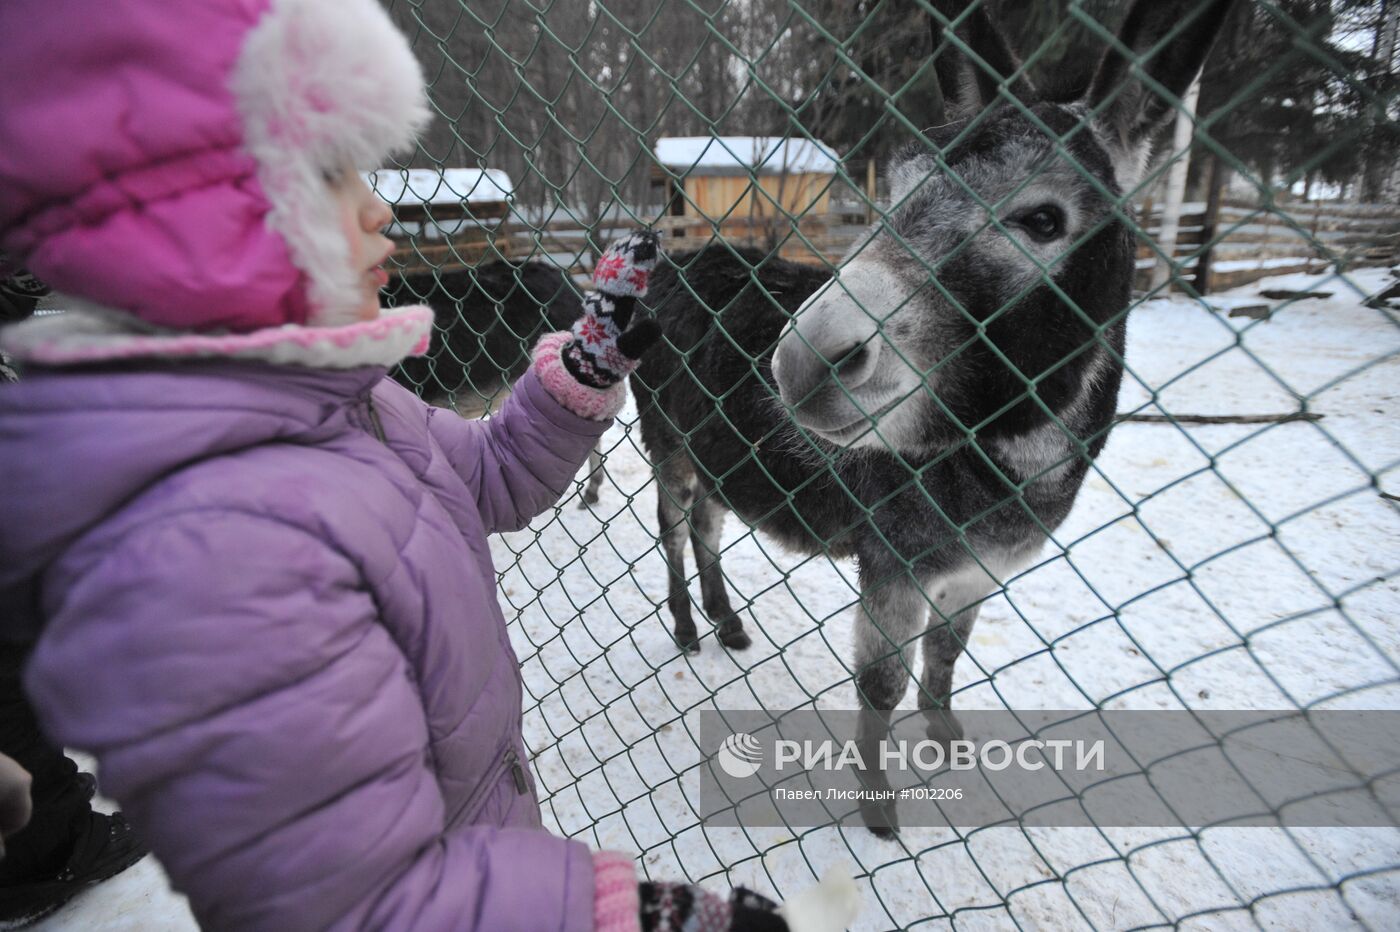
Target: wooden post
{"x": 1316, "y": 219}
{"x": 870, "y": 191}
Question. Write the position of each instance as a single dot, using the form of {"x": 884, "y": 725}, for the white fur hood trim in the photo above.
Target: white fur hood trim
{"x": 324, "y": 85}
{"x": 89, "y": 333}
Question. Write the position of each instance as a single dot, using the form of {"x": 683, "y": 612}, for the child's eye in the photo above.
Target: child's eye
{"x": 333, "y": 176}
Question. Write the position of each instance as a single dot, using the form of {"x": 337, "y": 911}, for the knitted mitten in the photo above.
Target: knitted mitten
{"x": 584, "y": 368}
{"x": 674, "y": 907}
{"x": 620, "y": 904}
{"x": 607, "y": 343}
{"x": 19, "y": 292}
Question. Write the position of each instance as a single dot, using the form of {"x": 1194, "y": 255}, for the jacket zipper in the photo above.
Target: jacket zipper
{"x": 510, "y": 758}
{"x": 374, "y": 420}
{"x": 469, "y": 810}
{"x": 518, "y": 772}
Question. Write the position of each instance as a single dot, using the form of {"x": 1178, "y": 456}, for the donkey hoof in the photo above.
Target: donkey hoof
{"x": 733, "y": 636}
{"x": 881, "y": 820}
{"x": 943, "y": 726}
{"x": 687, "y": 641}
{"x": 735, "y": 640}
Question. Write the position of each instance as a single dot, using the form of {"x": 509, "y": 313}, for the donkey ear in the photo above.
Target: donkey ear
{"x": 1127, "y": 99}
{"x": 966, "y": 84}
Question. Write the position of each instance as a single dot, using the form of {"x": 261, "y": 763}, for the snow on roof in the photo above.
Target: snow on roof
{"x": 448, "y": 186}
{"x": 724, "y": 155}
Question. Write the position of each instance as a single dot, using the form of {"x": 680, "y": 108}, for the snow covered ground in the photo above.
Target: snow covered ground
{"x": 1208, "y": 567}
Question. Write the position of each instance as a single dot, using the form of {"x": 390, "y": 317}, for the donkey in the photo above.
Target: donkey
{"x": 485, "y": 321}
{"x": 932, "y": 409}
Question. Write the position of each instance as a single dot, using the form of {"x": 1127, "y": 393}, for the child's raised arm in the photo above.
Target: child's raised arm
{"x": 521, "y": 461}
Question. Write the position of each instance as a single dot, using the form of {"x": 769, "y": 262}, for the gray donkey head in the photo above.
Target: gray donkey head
{"x": 994, "y": 288}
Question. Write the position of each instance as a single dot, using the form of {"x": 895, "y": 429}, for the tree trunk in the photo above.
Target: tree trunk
{"x": 1215, "y": 188}
{"x": 1176, "y": 185}
{"x": 1379, "y": 163}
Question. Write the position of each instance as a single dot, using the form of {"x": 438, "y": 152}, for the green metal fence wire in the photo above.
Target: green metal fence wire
{"x": 571, "y": 97}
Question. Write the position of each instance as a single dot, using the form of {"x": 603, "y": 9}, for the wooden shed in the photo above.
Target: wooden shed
{"x": 727, "y": 178}
{"x": 444, "y": 218}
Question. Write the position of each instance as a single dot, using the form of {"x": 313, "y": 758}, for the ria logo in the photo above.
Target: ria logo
{"x": 740, "y": 755}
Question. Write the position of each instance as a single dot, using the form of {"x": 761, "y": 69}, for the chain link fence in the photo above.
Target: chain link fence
{"x": 1232, "y": 543}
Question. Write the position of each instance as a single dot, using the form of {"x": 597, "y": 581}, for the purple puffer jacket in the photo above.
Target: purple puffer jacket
{"x": 270, "y": 612}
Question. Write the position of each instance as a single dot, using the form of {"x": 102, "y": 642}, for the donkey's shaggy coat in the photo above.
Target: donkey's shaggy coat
{"x": 933, "y": 409}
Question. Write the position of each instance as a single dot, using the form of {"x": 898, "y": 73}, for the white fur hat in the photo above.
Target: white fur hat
{"x": 322, "y": 85}
{"x": 176, "y": 175}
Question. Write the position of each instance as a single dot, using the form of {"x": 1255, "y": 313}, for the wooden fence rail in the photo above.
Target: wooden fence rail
{"x": 1251, "y": 242}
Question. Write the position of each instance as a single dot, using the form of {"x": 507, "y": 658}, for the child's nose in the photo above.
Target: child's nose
{"x": 375, "y": 215}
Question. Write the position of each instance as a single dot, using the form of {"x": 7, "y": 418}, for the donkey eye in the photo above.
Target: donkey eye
{"x": 1044, "y": 223}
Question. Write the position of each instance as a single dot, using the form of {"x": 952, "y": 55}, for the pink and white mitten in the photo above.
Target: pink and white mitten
{"x": 585, "y": 367}
{"x": 607, "y": 341}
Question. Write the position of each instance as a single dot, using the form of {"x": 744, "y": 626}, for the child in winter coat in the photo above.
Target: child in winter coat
{"x": 254, "y": 570}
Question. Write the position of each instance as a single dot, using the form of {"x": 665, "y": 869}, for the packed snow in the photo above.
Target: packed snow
{"x": 1221, "y": 566}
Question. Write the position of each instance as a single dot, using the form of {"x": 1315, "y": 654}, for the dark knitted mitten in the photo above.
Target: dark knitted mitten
{"x": 19, "y": 292}
{"x": 607, "y": 342}
{"x": 673, "y": 907}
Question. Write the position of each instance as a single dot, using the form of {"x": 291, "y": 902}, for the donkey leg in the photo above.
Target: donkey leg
{"x": 595, "y": 476}
{"x": 889, "y": 619}
{"x": 956, "y": 601}
{"x": 674, "y": 493}
{"x": 706, "y": 527}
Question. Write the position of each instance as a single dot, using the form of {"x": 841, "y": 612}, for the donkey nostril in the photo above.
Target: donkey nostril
{"x": 846, "y": 358}
{"x": 854, "y": 366}
{"x": 802, "y": 369}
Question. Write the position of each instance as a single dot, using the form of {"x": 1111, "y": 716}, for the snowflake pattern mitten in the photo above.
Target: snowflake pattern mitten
{"x": 607, "y": 340}
{"x": 19, "y": 292}
{"x": 674, "y": 907}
